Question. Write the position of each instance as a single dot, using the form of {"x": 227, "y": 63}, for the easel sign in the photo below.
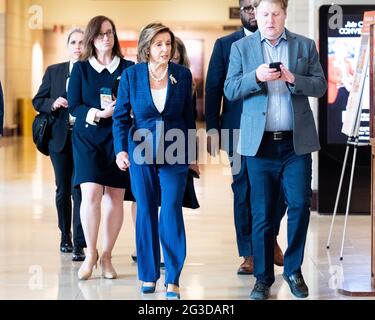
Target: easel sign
{"x": 357, "y": 117}
{"x": 361, "y": 95}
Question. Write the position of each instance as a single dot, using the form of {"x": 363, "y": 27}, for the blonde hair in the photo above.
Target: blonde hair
{"x": 146, "y": 37}
{"x": 283, "y": 3}
{"x": 74, "y": 30}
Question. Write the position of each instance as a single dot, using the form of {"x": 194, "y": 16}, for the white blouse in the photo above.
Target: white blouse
{"x": 159, "y": 96}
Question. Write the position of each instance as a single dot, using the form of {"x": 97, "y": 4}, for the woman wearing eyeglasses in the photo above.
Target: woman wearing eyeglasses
{"x": 90, "y": 100}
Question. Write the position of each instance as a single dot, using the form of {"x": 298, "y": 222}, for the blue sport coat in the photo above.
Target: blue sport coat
{"x": 136, "y": 120}
{"x": 246, "y": 55}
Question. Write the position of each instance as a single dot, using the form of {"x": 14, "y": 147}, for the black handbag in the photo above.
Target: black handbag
{"x": 190, "y": 198}
{"x": 42, "y": 126}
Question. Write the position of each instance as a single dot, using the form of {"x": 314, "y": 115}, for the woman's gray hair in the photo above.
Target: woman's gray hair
{"x": 146, "y": 37}
{"x": 74, "y": 30}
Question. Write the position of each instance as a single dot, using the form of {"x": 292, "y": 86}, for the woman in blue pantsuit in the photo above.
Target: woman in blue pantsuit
{"x": 151, "y": 119}
{"x": 95, "y": 168}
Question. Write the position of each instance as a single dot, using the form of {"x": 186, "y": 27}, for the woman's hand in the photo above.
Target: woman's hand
{"x": 60, "y": 102}
{"x": 122, "y": 160}
{"x": 107, "y": 112}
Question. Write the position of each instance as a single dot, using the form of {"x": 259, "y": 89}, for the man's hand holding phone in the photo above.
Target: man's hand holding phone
{"x": 286, "y": 75}
{"x": 265, "y": 73}
{"x": 274, "y": 71}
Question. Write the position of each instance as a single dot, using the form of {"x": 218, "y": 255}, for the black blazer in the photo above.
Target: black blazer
{"x": 54, "y": 86}
{"x": 1, "y": 110}
{"x": 230, "y": 115}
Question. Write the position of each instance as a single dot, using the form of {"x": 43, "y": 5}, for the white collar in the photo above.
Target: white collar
{"x": 71, "y": 63}
{"x": 99, "y": 67}
{"x": 247, "y": 32}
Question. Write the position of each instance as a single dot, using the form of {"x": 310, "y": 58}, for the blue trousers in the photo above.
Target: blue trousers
{"x": 242, "y": 210}
{"x": 276, "y": 165}
{"x": 169, "y": 227}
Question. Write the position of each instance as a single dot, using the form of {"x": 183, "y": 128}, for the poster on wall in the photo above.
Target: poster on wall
{"x": 359, "y": 98}
{"x": 343, "y": 47}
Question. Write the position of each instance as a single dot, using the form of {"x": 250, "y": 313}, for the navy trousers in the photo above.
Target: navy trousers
{"x": 242, "y": 209}
{"x": 276, "y": 165}
{"x": 170, "y": 227}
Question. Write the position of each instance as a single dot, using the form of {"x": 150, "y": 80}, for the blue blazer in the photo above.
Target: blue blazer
{"x": 135, "y": 100}
{"x": 246, "y": 55}
{"x": 216, "y": 74}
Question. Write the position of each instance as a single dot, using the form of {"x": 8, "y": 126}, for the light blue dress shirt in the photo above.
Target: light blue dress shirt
{"x": 279, "y": 108}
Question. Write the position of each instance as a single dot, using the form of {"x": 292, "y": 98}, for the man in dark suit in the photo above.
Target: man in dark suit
{"x": 277, "y": 135}
{"x": 1, "y": 110}
{"x": 51, "y": 98}
{"x": 229, "y": 120}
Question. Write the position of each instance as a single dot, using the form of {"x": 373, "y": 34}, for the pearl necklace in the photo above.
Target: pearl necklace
{"x": 153, "y": 76}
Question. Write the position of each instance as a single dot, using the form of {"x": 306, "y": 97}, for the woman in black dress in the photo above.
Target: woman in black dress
{"x": 91, "y": 85}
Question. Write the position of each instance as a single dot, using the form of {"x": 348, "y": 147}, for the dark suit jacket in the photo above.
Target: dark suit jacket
{"x": 1, "y": 110}
{"x": 135, "y": 94}
{"x": 229, "y": 117}
{"x": 54, "y": 86}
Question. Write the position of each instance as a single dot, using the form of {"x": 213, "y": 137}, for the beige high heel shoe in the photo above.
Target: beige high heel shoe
{"x": 85, "y": 272}
{"x": 108, "y": 272}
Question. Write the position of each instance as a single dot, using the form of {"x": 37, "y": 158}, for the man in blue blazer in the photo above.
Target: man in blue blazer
{"x": 229, "y": 119}
{"x": 1, "y": 110}
{"x": 277, "y": 135}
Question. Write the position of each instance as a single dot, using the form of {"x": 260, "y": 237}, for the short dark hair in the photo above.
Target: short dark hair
{"x": 92, "y": 31}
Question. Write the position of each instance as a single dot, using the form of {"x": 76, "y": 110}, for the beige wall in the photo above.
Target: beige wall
{"x": 131, "y": 14}
{"x": 19, "y": 39}
{"x": 2, "y": 41}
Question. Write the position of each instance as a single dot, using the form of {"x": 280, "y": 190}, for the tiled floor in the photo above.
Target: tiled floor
{"x": 31, "y": 266}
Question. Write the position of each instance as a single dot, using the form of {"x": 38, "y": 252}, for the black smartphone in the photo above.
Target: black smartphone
{"x": 115, "y": 88}
{"x": 275, "y": 65}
